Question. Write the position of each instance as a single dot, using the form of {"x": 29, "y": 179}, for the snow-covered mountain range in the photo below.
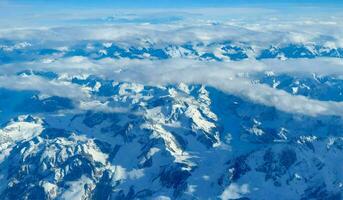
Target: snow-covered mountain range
{"x": 171, "y": 113}
{"x": 223, "y": 51}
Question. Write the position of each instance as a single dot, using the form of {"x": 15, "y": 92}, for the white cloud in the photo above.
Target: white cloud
{"x": 262, "y": 33}
{"x": 234, "y": 191}
{"x": 51, "y": 88}
{"x": 221, "y": 75}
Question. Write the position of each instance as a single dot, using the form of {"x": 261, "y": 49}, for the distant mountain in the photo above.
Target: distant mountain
{"x": 219, "y": 51}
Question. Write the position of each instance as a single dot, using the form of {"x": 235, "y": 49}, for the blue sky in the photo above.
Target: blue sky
{"x": 168, "y": 3}
{"x": 27, "y": 13}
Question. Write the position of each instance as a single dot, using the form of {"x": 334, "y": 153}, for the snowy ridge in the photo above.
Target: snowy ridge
{"x": 217, "y": 51}
{"x": 175, "y": 141}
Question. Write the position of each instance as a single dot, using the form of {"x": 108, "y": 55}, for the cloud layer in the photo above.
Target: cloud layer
{"x": 228, "y": 76}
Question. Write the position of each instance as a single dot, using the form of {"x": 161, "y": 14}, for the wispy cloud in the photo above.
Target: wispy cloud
{"x": 52, "y": 88}
{"x": 223, "y": 76}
